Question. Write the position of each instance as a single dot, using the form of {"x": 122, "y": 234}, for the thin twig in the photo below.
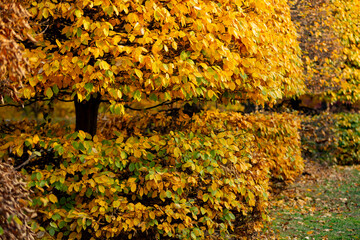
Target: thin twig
{"x": 33, "y": 155}
{"x": 148, "y": 108}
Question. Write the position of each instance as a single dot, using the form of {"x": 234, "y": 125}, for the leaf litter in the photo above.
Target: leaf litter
{"x": 323, "y": 203}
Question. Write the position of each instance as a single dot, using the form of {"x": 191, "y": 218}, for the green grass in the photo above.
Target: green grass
{"x": 322, "y": 207}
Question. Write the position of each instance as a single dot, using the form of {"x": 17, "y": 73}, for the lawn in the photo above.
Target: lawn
{"x": 324, "y": 203}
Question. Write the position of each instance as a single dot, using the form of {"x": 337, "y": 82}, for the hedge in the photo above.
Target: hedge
{"x": 332, "y": 138}
{"x": 211, "y": 177}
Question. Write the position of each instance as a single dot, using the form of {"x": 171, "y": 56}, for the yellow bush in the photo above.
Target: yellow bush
{"x": 211, "y": 179}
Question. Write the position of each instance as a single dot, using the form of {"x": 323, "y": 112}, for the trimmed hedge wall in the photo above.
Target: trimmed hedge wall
{"x": 163, "y": 176}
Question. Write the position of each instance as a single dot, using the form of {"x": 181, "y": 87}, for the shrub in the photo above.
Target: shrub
{"x": 332, "y": 138}
{"x": 147, "y": 179}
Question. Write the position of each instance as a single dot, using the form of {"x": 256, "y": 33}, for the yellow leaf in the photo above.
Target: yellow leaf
{"x": 96, "y": 52}
{"x": 58, "y": 43}
{"x": 106, "y": 32}
{"x": 152, "y": 215}
{"x": 132, "y": 180}
{"x": 102, "y": 210}
{"x": 86, "y": 24}
{"x": 72, "y": 235}
{"x": 177, "y": 152}
{"x": 155, "y": 138}
{"x": 36, "y": 139}
{"x": 138, "y": 73}
{"x": 104, "y": 65}
{"x": 33, "y": 81}
{"x": 19, "y": 151}
{"x": 92, "y": 183}
{"x": 101, "y": 189}
{"x": 133, "y": 187}
{"x": 82, "y": 134}
{"x": 53, "y": 198}
{"x": 174, "y": 45}
{"x": 210, "y": 93}
{"x": 132, "y": 38}
{"x": 137, "y": 153}
{"x": 116, "y": 204}
{"x": 232, "y": 86}
{"x": 136, "y": 221}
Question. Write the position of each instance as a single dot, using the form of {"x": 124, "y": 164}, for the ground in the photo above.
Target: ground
{"x": 323, "y": 203}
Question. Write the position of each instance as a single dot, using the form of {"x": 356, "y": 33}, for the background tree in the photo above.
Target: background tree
{"x": 328, "y": 37}
{"x": 130, "y": 51}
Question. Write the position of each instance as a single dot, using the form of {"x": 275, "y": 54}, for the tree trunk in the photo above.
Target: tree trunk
{"x": 86, "y": 114}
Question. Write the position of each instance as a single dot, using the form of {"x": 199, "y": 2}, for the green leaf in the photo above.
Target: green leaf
{"x": 75, "y": 145}
{"x": 150, "y": 156}
{"x": 52, "y": 231}
{"x": 109, "y": 73}
{"x": 119, "y": 109}
{"x": 55, "y": 89}
{"x": 62, "y": 224}
{"x": 88, "y": 222}
{"x": 117, "y": 164}
{"x": 153, "y": 97}
{"x": 88, "y": 192}
{"x": 79, "y": 32}
{"x": 89, "y": 87}
{"x": 183, "y": 55}
{"x": 132, "y": 167}
{"x": 49, "y": 92}
{"x": 37, "y": 153}
{"x": 17, "y": 220}
{"x": 243, "y": 76}
{"x": 109, "y": 10}
{"x": 38, "y": 176}
{"x": 55, "y": 217}
{"x": 210, "y": 70}
{"x": 190, "y": 61}
{"x": 168, "y": 194}
{"x": 123, "y": 155}
{"x": 137, "y": 95}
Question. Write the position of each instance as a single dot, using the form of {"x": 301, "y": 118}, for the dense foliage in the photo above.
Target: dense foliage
{"x": 169, "y": 173}
{"x": 134, "y": 50}
{"x": 347, "y": 26}
{"x": 209, "y": 179}
{"x": 329, "y": 38}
